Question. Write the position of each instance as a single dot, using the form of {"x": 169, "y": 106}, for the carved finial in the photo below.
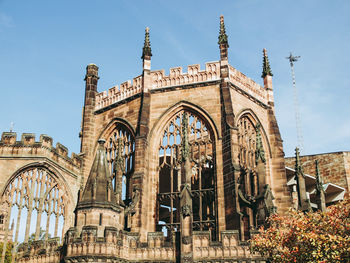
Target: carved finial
{"x": 319, "y": 181}
{"x": 184, "y": 143}
{"x": 266, "y": 65}
{"x": 146, "y": 51}
{"x": 259, "y": 149}
{"x": 223, "y": 40}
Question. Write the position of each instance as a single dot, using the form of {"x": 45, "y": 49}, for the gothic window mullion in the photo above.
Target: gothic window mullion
{"x": 56, "y": 211}
{"x": 201, "y": 151}
{"x": 30, "y": 193}
{"x": 200, "y": 186}
{"x": 18, "y": 222}
{"x": 40, "y": 206}
{"x": 171, "y": 185}
{"x": 120, "y": 145}
{"x": 28, "y": 190}
{"x": 56, "y": 223}
{"x": 48, "y": 212}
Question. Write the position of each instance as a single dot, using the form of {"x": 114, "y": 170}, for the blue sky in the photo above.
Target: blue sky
{"x": 46, "y": 45}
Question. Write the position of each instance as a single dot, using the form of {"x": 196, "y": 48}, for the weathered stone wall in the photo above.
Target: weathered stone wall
{"x": 16, "y": 155}
{"x": 40, "y": 252}
{"x": 334, "y": 167}
{"x": 118, "y": 245}
{"x": 145, "y": 106}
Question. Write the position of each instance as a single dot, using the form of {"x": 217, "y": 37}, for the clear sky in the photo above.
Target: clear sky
{"x": 46, "y": 45}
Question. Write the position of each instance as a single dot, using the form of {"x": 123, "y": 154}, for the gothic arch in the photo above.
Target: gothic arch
{"x": 254, "y": 160}
{"x": 111, "y": 125}
{"x": 165, "y": 138}
{"x": 255, "y": 119}
{"x": 35, "y": 191}
{"x": 120, "y": 149}
{"x": 184, "y": 105}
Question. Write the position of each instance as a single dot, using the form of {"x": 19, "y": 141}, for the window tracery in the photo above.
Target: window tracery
{"x": 36, "y": 203}
{"x": 247, "y": 143}
{"x": 120, "y": 148}
{"x": 202, "y": 158}
{"x": 251, "y": 180}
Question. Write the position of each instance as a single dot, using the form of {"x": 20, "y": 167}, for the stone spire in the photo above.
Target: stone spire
{"x": 146, "y": 50}
{"x": 304, "y": 204}
{"x": 320, "y": 195}
{"x": 267, "y": 76}
{"x": 98, "y": 190}
{"x": 223, "y": 40}
{"x": 146, "y": 60}
{"x": 266, "y": 65}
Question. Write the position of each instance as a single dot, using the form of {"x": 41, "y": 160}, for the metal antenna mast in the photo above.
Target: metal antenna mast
{"x": 292, "y": 59}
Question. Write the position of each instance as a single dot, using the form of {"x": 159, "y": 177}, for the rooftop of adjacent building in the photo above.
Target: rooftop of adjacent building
{"x": 319, "y": 154}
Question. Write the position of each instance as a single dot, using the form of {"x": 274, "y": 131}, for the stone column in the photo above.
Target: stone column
{"x": 88, "y": 120}
{"x": 278, "y": 177}
{"x": 186, "y": 217}
{"x": 139, "y": 221}
{"x": 231, "y": 169}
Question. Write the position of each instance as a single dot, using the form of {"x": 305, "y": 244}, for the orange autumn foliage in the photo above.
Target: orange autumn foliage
{"x": 306, "y": 237}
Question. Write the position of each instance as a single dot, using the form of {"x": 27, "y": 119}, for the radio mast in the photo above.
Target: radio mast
{"x": 293, "y": 59}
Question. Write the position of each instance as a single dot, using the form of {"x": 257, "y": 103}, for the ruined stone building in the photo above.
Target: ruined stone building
{"x": 172, "y": 168}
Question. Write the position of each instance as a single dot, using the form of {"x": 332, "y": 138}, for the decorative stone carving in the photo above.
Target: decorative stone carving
{"x": 264, "y": 205}
{"x": 187, "y": 240}
{"x": 186, "y": 210}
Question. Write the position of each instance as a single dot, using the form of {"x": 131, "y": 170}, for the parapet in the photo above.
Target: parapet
{"x": 116, "y": 243}
{"x": 9, "y": 139}
{"x": 42, "y": 251}
{"x": 194, "y": 74}
{"x": 247, "y": 85}
{"x": 115, "y": 94}
{"x": 127, "y": 245}
{"x": 176, "y": 77}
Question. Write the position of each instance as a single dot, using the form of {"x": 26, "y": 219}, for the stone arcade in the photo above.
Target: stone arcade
{"x": 173, "y": 168}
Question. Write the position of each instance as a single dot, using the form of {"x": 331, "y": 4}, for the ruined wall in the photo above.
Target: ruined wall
{"x": 126, "y": 247}
{"x": 147, "y": 103}
{"x": 16, "y": 156}
{"x": 334, "y": 167}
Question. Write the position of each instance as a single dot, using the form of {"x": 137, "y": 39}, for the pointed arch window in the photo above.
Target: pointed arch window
{"x": 36, "y": 204}
{"x": 247, "y": 142}
{"x": 202, "y": 158}
{"x": 120, "y": 148}
{"x": 251, "y": 181}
